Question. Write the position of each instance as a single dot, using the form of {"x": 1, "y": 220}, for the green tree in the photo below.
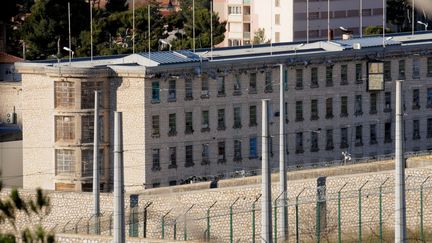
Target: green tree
{"x": 116, "y": 6}
{"x": 375, "y": 30}
{"x": 259, "y": 37}
{"x": 397, "y": 14}
{"x": 49, "y": 21}
{"x": 13, "y": 207}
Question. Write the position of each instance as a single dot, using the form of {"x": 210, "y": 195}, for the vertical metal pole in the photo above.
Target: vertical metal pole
{"x": 275, "y": 223}
{"x": 413, "y": 18}
{"x": 193, "y": 25}
{"x": 231, "y": 225}
{"x": 421, "y": 210}
{"x": 208, "y": 224}
{"x": 110, "y": 224}
{"x": 133, "y": 26}
{"x": 361, "y": 18}
{"x": 384, "y": 21}
{"x": 360, "y": 212}
{"x": 185, "y": 227}
{"x": 339, "y": 218}
{"x": 297, "y": 215}
{"x": 380, "y": 215}
{"x": 266, "y": 224}
{"x": 69, "y": 27}
{"x": 175, "y": 230}
{"x": 91, "y": 29}
{"x": 307, "y": 21}
{"x": 119, "y": 220}
{"x": 149, "y": 31}
{"x": 211, "y": 29}
{"x": 318, "y": 222}
{"x": 163, "y": 227}
{"x": 271, "y": 28}
{"x": 400, "y": 206}
{"x": 283, "y": 215}
{"x": 328, "y": 20}
{"x": 96, "y": 184}
{"x": 253, "y": 222}
{"x": 145, "y": 223}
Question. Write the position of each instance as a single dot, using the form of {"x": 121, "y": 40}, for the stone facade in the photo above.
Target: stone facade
{"x": 11, "y": 102}
{"x": 201, "y": 117}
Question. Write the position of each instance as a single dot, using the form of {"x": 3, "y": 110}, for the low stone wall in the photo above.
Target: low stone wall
{"x": 77, "y": 238}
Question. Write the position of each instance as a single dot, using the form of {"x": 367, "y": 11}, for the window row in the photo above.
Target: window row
{"x": 66, "y": 97}
{"x": 65, "y": 163}
{"x": 208, "y": 154}
{"x": 205, "y": 121}
{"x": 65, "y": 128}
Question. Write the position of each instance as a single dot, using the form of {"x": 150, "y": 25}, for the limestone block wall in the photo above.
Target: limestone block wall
{"x": 10, "y": 98}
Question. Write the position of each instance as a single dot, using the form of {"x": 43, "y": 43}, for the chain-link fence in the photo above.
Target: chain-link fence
{"x": 339, "y": 212}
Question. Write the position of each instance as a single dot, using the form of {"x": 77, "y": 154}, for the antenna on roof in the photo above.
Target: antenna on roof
{"x": 149, "y": 31}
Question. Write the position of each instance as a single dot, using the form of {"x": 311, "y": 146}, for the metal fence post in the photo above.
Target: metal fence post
{"x": 76, "y": 225}
{"x": 208, "y": 221}
{"x": 185, "y": 222}
{"x": 297, "y": 215}
{"x": 318, "y": 222}
{"x": 253, "y": 218}
{"x": 231, "y": 220}
{"x": 163, "y": 223}
{"x": 340, "y": 214}
{"x": 175, "y": 229}
{"x": 360, "y": 212}
{"x": 145, "y": 219}
{"x": 275, "y": 216}
{"x": 380, "y": 210}
{"x": 421, "y": 210}
{"x": 110, "y": 224}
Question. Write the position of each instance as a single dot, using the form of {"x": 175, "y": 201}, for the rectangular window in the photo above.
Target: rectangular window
{"x": 387, "y": 71}
{"x": 359, "y": 73}
{"x": 237, "y": 117}
{"x": 87, "y": 162}
{"x": 88, "y": 94}
{"x": 314, "y": 110}
{"x": 172, "y": 124}
{"x": 205, "y": 125}
{"x": 358, "y": 105}
{"x": 344, "y": 106}
{"x": 344, "y": 75}
{"x": 221, "y": 152}
{"x": 205, "y": 154}
{"x": 416, "y": 99}
{"x": 402, "y": 69}
{"x": 65, "y": 128}
{"x": 64, "y": 94}
{"x": 329, "y": 76}
{"x": 189, "y": 156}
{"x": 221, "y": 119}
{"x": 65, "y": 161}
{"x": 314, "y": 77}
{"x": 252, "y": 83}
{"x": 429, "y": 67}
{"x": 416, "y": 129}
{"x": 253, "y": 116}
{"x": 285, "y": 79}
{"x": 373, "y": 134}
{"x": 329, "y": 108}
{"x": 221, "y": 85}
{"x": 234, "y": 10}
{"x": 299, "y": 143}
{"x": 155, "y": 126}
{"x": 429, "y": 128}
{"x": 314, "y": 142}
{"x": 204, "y": 88}
{"x": 387, "y": 102}
{"x": 344, "y": 138}
{"x": 188, "y": 123}
{"x": 359, "y": 136}
{"x": 329, "y": 139}
{"x": 277, "y": 19}
{"x": 237, "y": 84}
{"x": 172, "y": 157}
{"x": 237, "y": 150}
{"x": 87, "y": 129}
{"x": 387, "y": 132}
{"x": 429, "y": 98}
{"x": 268, "y": 81}
{"x": 253, "y": 152}
{"x": 156, "y": 159}
{"x": 415, "y": 68}
{"x": 299, "y": 110}
{"x": 172, "y": 95}
{"x": 299, "y": 78}
{"x": 155, "y": 92}
{"x": 373, "y": 103}
{"x": 188, "y": 89}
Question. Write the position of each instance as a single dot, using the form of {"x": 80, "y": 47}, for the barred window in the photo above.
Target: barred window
{"x": 88, "y": 94}
{"x": 64, "y": 94}
{"x": 87, "y": 162}
{"x": 65, "y": 128}
{"x": 65, "y": 161}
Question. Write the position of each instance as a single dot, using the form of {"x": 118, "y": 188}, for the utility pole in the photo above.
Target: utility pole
{"x": 193, "y": 25}
{"x": 133, "y": 26}
{"x": 119, "y": 219}
{"x": 96, "y": 173}
{"x": 413, "y": 18}
{"x": 69, "y": 27}
{"x": 266, "y": 217}
{"x": 211, "y": 29}
{"x": 361, "y": 18}
{"x": 91, "y": 29}
{"x": 328, "y": 20}
{"x": 307, "y": 21}
{"x": 282, "y": 165}
{"x": 384, "y": 20}
{"x": 149, "y": 31}
{"x": 400, "y": 206}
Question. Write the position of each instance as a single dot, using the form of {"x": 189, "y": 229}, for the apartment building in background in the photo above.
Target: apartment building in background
{"x": 286, "y": 20}
{"x": 199, "y": 114}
